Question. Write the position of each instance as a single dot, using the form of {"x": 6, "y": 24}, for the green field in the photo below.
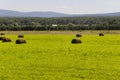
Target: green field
{"x": 53, "y": 57}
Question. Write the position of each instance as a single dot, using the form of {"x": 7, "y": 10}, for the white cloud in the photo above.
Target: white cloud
{"x": 64, "y": 7}
{"x": 110, "y": 3}
{"x": 113, "y": 2}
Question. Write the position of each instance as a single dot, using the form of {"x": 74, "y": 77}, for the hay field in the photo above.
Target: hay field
{"x": 53, "y": 57}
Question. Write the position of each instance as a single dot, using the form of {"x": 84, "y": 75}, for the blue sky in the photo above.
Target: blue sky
{"x": 63, "y": 6}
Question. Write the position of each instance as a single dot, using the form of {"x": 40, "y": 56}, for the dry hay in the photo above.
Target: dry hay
{"x": 1, "y": 38}
{"x": 20, "y": 41}
{"x": 6, "y": 40}
{"x": 101, "y": 34}
{"x": 76, "y": 41}
{"x": 20, "y": 36}
{"x": 78, "y": 35}
{"x": 2, "y": 33}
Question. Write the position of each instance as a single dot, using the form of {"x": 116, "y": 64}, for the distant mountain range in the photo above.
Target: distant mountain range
{"x": 10, "y": 13}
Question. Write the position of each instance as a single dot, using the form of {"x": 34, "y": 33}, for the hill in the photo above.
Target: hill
{"x": 10, "y": 13}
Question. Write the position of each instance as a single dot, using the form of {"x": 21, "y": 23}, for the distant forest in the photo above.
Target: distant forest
{"x": 71, "y": 23}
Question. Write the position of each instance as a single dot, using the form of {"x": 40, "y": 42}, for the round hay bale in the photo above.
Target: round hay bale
{"x": 20, "y": 41}
{"x": 78, "y": 35}
{"x": 20, "y": 36}
{"x": 6, "y": 40}
{"x": 1, "y": 38}
{"x": 101, "y": 34}
{"x": 76, "y": 41}
{"x": 2, "y": 33}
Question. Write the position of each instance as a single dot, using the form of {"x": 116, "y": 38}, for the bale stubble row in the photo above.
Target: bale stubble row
{"x": 20, "y": 39}
{"x": 78, "y": 41}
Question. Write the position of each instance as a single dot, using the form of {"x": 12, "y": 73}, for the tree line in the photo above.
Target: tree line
{"x": 65, "y": 23}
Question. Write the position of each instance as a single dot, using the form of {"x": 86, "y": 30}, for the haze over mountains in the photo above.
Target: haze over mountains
{"x": 10, "y": 13}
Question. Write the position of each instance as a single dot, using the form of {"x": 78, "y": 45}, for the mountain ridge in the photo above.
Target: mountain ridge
{"x": 12, "y": 13}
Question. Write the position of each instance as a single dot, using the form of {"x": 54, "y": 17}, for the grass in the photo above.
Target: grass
{"x": 64, "y": 32}
{"x": 53, "y": 57}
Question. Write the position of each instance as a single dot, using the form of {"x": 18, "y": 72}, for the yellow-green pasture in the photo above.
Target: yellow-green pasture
{"x": 53, "y": 57}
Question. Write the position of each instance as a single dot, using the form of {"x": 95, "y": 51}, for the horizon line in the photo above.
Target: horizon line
{"x": 60, "y": 12}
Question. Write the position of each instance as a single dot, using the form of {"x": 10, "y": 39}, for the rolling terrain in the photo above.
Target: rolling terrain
{"x": 11, "y": 13}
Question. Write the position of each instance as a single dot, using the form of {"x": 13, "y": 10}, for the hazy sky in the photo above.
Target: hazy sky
{"x": 63, "y": 6}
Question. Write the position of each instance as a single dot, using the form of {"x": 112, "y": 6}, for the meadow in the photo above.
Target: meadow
{"x": 53, "y": 57}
